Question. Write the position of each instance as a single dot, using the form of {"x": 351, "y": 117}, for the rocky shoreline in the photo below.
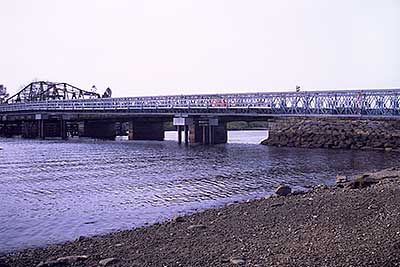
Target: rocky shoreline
{"x": 335, "y": 133}
{"x": 355, "y": 223}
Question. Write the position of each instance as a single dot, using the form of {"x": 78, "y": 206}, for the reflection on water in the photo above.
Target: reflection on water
{"x": 53, "y": 191}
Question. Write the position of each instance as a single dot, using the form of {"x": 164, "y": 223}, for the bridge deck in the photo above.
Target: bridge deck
{"x": 368, "y": 103}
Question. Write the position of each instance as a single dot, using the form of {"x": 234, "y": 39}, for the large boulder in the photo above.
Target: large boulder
{"x": 283, "y": 190}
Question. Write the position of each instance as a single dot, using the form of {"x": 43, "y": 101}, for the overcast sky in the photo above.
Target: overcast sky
{"x": 204, "y": 46}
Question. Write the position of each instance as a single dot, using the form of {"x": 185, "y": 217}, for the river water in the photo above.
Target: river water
{"x": 54, "y": 191}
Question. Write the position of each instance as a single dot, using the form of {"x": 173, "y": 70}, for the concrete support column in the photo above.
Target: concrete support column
{"x": 63, "y": 129}
{"x": 179, "y": 128}
{"x": 186, "y": 123}
{"x": 202, "y": 130}
{"x": 50, "y": 129}
{"x": 81, "y": 128}
{"x": 30, "y": 129}
{"x": 220, "y": 134}
{"x": 195, "y": 134}
{"x": 211, "y": 135}
{"x": 4, "y": 130}
{"x": 10, "y": 129}
{"x": 204, "y": 134}
{"x": 41, "y": 129}
{"x": 71, "y": 128}
{"x": 44, "y": 129}
{"x": 146, "y": 130}
{"x": 186, "y": 129}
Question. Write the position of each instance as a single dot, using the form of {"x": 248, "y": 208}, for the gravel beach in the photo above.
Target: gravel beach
{"x": 354, "y": 224}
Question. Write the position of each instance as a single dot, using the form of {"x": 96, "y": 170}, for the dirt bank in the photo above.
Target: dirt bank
{"x": 324, "y": 227}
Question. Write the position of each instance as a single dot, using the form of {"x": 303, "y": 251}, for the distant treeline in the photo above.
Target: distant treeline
{"x": 236, "y": 125}
{"x": 242, "y": 125}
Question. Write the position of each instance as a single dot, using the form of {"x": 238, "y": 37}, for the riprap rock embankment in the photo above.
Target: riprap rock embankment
{"x": 335, "y": 133}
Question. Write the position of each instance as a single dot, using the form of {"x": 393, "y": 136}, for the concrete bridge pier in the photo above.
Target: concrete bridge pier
{"x": 30, "y": 129}
{"x": 220, "y": 133}
{"x": 10, "y": 129}
{"x": 97, "y": 129}
{"x": 183, "y": 123}
{"x": 186, "y": 130}
{"x": 146, "y": 130}
{"x": 196, "y": 133}
{"x": 179, "y": 129}
{"x": 212, "y": 131}
{"x": 44, "y": 129}
{"x": 52, "y": 129}
{"x": 209, "y": 134}
{"x": 201, "y": 130}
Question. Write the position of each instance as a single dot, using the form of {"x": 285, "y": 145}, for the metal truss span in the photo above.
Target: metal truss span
{"x": 42, "y": 91}
{"x": 368, "y": 103}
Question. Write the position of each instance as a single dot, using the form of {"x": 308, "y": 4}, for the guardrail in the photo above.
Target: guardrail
{"x": 344, "y": 102}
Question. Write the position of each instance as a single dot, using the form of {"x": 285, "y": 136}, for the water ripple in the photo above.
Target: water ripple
{"x": 53, "y": 191}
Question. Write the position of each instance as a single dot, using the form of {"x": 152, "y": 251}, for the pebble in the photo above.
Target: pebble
{"x": 108, "y": 261}
{"x": 178, "y": 219}
{"x": 299, "y": 192}
{"x": 62, "y": 260}
{"x": 72, "y": 259}
{"x": 340, "y": 179}
{"x": 197, "y": 226}
{"x": 320, "y": 186}
{"x": 48, "y": 263}
{"x": 237, "y": 260}
{"x": 80, "y": 238}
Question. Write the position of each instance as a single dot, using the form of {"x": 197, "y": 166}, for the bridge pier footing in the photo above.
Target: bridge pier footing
{"x": 146, "y": 130}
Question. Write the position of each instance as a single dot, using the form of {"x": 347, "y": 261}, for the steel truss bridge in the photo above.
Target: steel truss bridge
{"x": 42, "y": 91}
{"x": 62, "y": 97}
